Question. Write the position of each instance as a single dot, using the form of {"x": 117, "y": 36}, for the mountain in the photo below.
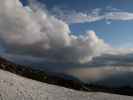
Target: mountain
{"x": 64, "y": 80}
{"x": 14, "y": 87}
{"x": 41, "y": 75}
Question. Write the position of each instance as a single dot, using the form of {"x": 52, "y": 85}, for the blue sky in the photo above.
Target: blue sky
{"x": 117, "y": 33}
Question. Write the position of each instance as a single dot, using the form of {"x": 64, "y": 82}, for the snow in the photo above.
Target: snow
{"x": 13, "y": 87}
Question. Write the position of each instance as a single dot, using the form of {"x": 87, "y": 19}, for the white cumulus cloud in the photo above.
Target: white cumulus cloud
{"x": 28, "y": 31}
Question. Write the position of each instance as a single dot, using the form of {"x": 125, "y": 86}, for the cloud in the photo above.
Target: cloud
{"x": 77, "y": 17}
{"x": 82, "y": 18}
{"x": 97, "y": 14}
{"x": 33, "y": 31}
{"x": 124, "y": 16}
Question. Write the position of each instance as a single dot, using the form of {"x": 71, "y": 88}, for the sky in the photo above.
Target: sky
{"x": 66, "y": 31}
{"x": 117, "y": 32}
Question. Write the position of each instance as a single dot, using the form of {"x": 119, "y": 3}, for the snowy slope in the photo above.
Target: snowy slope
{"x": 13, "y": 87}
